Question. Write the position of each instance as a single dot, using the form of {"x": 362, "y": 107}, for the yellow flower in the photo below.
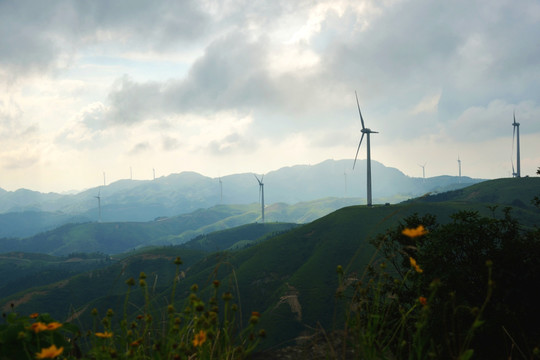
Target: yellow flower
{"x": 422, "y": 300}
{"x": 33, "y": 316}
{"x": 412, "y": 233}
{"x": 37, "y": 327}
{"x": 50, "y": 352}
{"x": 199, "y": 339}
{"x": 53, "y": 326}
{"x": 104, "y": 335}
{"x": 415, "y": 265}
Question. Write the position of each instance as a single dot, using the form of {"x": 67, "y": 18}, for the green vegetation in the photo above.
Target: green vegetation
{"x": 118, "y": 237}
{"x": 203, "y": 330}
{"x": 290, "y": 278}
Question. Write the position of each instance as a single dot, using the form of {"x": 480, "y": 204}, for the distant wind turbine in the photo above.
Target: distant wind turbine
{"x": 220, "y": 190}
{"x": 261, "y": 194}
{"x": 459, "y": 166}
{"x": 423, "y": 171}
{"x": 517, "y": 171}
{"x": 364, "y": 132}
{"x": 98, "y": 197}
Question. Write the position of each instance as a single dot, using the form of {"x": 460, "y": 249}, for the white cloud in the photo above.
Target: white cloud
{"x": 249, "y": 84}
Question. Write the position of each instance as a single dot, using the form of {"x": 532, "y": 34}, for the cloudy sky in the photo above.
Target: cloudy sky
{"x": 221, "y": 87}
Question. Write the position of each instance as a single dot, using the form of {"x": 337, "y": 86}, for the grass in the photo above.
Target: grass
{"x": 202, "y": 329}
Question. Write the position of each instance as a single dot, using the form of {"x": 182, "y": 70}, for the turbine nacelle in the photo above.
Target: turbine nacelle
{"x": 368, "y": 131}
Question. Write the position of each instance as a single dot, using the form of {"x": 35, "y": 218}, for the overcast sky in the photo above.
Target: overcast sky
{"x": 222, "y": 87}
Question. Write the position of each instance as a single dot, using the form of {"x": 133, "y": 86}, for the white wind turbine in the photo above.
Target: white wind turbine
{"x": 517, "y": 171}
{"x": 220, "y": 190}
{"x": 423, "y": 171}
{"x": 261, "y": 194}
{"x": 459, "y": 165}
{"x": 364, "y": 132}
{"x": 98, "y": 197}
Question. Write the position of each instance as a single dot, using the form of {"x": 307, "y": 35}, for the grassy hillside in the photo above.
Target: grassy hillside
{"x": 290, "y": 278}
{"x": 117, "y": 237}
{"x": 238, "y": 237}
{"x": 21, "y": 271}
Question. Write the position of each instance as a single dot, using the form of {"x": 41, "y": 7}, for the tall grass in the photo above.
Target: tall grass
{"x": 197, "y": 329}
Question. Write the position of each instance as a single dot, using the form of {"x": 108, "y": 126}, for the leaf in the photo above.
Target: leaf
{"x": 466, "y": 355}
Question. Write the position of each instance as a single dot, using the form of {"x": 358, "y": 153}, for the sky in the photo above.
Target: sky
{"x": 123, "y": 87}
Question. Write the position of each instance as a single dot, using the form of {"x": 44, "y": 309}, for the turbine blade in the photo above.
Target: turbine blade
{"x": 357, "y": 150}
{"x": 512, "y": 157}
{"x": 257, "y": 179}
{"x": 359, "y": 112}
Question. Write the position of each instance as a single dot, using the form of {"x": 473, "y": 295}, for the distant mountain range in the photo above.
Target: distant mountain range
{"x": 25, "y": 212}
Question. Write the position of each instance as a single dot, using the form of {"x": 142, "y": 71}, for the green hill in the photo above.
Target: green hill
{"x": 290, "y": 278}
{"x": 118, "y": 237}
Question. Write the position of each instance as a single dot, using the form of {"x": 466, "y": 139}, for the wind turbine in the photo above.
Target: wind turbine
{"x": 423, "y": 171}
{"x": 459, "y": 165}
{"x": 261, "y": 194}
{"x": 364, "y": 132}
{"x": 220, "y": 190}
{"x": 515, "y": 124}
{"x": 98, "y": 197}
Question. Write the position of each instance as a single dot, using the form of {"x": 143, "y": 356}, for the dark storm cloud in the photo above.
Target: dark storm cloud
{"x": 36, "y": 33}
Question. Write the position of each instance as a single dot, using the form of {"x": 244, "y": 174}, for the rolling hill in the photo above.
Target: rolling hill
{"x": 117, "y": 237}
{"x": 290, "y": 278}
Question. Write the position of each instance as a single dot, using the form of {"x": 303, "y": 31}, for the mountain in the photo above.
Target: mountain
{"x": 289, "y": 278}
{"x": 138, "y": 200}
{"x": 118, "y": 237}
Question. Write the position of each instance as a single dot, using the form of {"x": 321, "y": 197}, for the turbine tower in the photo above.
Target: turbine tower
{"x": 98, "y": 197}
{"x": 517, "y": 172}
{"x": 423, "y": 171}
{"x": 261, "y": 194}
{"x": 459, "y": 166}
{"x": 364, "y": 132}
{"x": 220, "y": 190}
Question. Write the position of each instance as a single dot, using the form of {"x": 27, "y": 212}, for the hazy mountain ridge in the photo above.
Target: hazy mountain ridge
{"x": 145, "y": 200}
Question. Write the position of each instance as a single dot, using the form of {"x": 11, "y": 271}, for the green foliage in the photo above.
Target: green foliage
{"x": 238, "y": 237}
{"x": 22, "y": 337}
{"x": 201, "y": 329}
{"x": 454, "y": 255}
